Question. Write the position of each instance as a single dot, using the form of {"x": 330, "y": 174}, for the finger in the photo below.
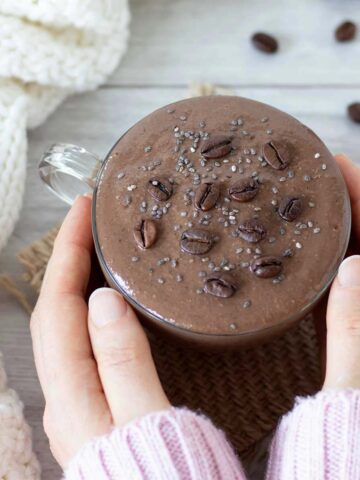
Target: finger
{"x": 351, "y": 175}
{"x": 56, "y": 321}
{"x": 62, "y": 348}
{"x": 343, "y": 325}
{"x": 127, "y": 371}
{"x": 69, "y": 265}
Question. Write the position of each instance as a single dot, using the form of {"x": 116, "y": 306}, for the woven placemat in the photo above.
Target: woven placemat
{"x": 244, "y": 392}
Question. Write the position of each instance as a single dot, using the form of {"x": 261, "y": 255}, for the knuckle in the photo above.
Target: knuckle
{"x": 352, "y": 324}
{"x": 121, "y": 357}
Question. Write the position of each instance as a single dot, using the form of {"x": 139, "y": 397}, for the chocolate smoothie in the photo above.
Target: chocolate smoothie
{"x": 221, "y": 216}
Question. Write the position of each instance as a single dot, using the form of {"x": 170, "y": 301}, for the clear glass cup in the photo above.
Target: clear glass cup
{"x": 69, "y": 171}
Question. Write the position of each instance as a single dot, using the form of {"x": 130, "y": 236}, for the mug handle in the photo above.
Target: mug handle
{"x": 69, "y": 171}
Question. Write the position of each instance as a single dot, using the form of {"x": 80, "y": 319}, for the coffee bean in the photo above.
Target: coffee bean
{"x": 354, "y": 112}
{"x": 290, "y": 208}
{"x": 216, "y": 147}
{"x": 206, "y": 196}
{"x": 160, "y": 188}
{"x": 265, "y": 42}
{"x": 266, "y": 266}
{"x": 244, "y": 190}
{"x": 220, "y": 286}
{"x": 252, "y": 231}
{"x": 145, "y": 233}
{"x": 196, "y": 241}
{"x": 276, "y": 154}
{"x": 345, "y": 32}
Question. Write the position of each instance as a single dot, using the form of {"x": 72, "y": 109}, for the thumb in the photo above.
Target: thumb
{"x": 122, "y": 351}
{"x": 343, "y": 325}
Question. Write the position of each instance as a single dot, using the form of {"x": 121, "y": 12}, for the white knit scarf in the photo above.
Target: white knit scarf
{"x": 49, "y": 49}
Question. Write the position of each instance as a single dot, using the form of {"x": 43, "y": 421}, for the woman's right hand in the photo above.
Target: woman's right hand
{"x": 343, "y": 310}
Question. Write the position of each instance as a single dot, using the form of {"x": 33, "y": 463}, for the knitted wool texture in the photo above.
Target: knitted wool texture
{"x": 49, "y": 49}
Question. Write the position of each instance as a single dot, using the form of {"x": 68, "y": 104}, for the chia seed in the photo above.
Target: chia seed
{"x": 199, "y": 291}
{"x": 179, "y": 278}
{"x": 282, "y": 179}
{"x": 288, "y": 253}
{"x": 272, "y": 239}
{"x": 311, "y": 204}
{"x": 247, "y": 304}
{"x": 121, "y": 175}
{"x": 161, "y": 280}
{"x": 148, "y": 149}
{"x": 135, "y": 259}
{"x": 323, "y": 166}
{"x": 317, "y": 230}
{"x": 317, "y": 155}
{"x": 307, "y": 178}
{"x": 298, "y": 245}
{"x": 202, "y": 274}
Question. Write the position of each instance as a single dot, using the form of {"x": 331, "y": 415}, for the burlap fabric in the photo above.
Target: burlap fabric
{"x": 245, "y": 392}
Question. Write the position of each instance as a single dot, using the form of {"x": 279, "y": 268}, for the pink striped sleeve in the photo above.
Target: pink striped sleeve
{"x": 176, "y": 444}
{"x": 319, "y": 439}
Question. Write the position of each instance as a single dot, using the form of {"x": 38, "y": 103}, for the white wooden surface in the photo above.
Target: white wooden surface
{"x": 174, "y": 42}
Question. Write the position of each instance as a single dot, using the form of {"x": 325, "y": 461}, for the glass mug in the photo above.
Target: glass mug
{"x": 69, "y": 171}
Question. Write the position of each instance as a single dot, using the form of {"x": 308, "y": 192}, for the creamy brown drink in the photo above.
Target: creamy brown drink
{"x": 221, "y": 217}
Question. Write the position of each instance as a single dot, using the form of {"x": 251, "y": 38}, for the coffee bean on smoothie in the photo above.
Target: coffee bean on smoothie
{"x": 276, "y": 154}
{"x": 160, "y": 188}
{"x": 252, "y": 231}
{"x": 265, "y": 42}
{"x": 216, "y": 147}
{"x": 266, "y": 266}
{"x": 290, "y": 208}
{"x": 206, "y": 196}
{"x": 346, "y": 31}
{"x": 220, "y": 286}
{"x": 145, "y": 233}
{"x": 244, "y": 190}
{"x": 196, "y": 241}
{"x": 354, "y": 112}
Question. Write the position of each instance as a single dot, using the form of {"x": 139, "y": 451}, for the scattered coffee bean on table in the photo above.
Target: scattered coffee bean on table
{"x": 145, "y": 233}
{"x": 266, "y": 266}
{"x": 354, "y": 112}
{"x": 346, "y": 31}
{"x": 265, "y": 42}
{"x": 220, "y": 286}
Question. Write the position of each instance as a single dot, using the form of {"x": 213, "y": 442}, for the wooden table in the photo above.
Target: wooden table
{"x": 174, "y": 42}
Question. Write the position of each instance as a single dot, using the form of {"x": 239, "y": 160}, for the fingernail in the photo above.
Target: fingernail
{"x": 349, "y": 272}
{"x": 106, "y": 306}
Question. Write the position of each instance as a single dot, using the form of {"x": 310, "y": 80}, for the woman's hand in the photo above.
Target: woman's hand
{"x": 94, "y": 364}
{"x": 343, "y": 311}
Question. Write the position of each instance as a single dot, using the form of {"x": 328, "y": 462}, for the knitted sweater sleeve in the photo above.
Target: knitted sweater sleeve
{"x": 176, "y": 444}
{"x": 319, "y": 439}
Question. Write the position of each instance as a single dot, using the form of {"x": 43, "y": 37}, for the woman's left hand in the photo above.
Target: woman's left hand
{"x": 94, "y": 364}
